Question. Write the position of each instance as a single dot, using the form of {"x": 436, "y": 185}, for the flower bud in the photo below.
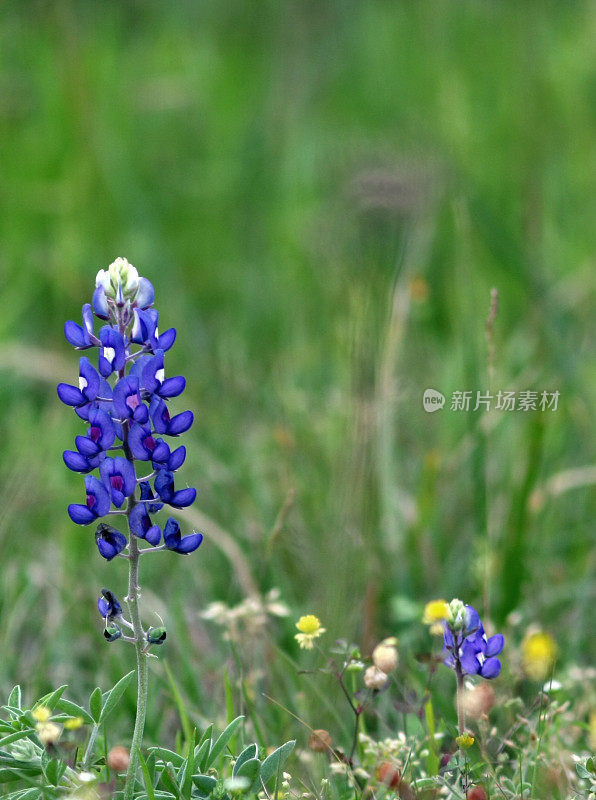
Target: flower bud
{"x": 456, "y": 615}
{"x": 112, "y": 632}
{"x": 156, "y": 635}
{"x": 320, "y": 741}
{"x": 375, "y": 679}
{"x": 119, "y": 281}
{"x": 118, "y": 759}
{"x": 385, "y": 655}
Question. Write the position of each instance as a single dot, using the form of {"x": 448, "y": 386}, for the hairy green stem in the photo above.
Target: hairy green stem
{"x": 90, "y": 747}
{"x": 461, "y": 711}
{"x": 142, "y": 667}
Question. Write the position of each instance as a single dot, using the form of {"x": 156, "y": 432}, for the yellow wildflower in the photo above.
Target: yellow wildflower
{"x": 539, "y": 651}
{"x": 42, "y": 714}
{"x": 74, "y": 723}
{"x": 310, "y": 629}
{"x": 434, "y": 613}
{"x": 465, "y": 741}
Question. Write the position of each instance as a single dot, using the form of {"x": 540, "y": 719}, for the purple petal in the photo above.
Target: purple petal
{"x": 86, "y": 446}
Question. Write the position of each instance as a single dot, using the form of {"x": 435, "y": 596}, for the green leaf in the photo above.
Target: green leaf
{"x": 272, "y": 764}
{"x": 95, "y": 704}
{"x": 205, "y": 784}
{"x": 49, "y": 700}
{"x": 114, "y": 696}
{"x": 221, "y": 743}
{"x": 14, "y": 698}
{"x": 146, "y": 777}
{"x": 23, "y": 794}
{"x": 168, "y": 781}
{"x": 250, "y": 769}
{"x": 73, "y": 710}
{"x": 14, "y": 737}
{"x": 202, "y": 752}
{"x": 54, "y": 770}
{"x": 166, "y": 755}
{"x": 248, "y": 753}
{"x": 185, "y": 777}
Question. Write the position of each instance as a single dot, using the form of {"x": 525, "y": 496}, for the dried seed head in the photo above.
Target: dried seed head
{"x": 320, "y": 740}
{"x": 118, "y": 759}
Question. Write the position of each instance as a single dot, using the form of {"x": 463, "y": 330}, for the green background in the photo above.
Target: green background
{"x": 323, "y": 195}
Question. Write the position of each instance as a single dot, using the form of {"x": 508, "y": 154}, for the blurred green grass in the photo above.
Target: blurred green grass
{"x": 323, "y": 194}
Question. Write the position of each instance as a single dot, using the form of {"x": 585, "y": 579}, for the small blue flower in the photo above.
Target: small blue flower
{"x": 147, "y": 494}
{"x": 164, "y": 486}
{"x": 141, "y": 526}
{"x": 97, "y": 504}
{"x": 175, "y": 541}
{"x": 112, "y": 353}
{"x": 110, "y": 542}
{"x": 118, "y": 476}
{"x": 108, "y": 605}
{"x": 162, "y": 422}
{"x": 101, "y": 308}
{"x": 127, "y": 400}
{"x": 81, "y": 337}
{"x": 89, "y": 386}
{"x": 145, "y": 294}
{"x": 469, "y": 645}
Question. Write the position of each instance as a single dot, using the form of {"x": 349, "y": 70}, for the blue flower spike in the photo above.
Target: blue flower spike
{"x": 123, "y": 396}
{"x": 466, "y": 647}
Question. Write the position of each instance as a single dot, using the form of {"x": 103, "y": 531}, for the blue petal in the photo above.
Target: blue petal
{"x": 177, "y": 458}
{"x": 145, "y": 294}
{"x": 491, "y": 668}
{"x": 75, "y": 335}
{"x": 171, "y": 534}
{"x": 189, "y": 543}
{"x": 70, "y": 395}
{"x": 75, "y": 461}
{"x": 79, "y": 514}
{"x": 172, "y": 387}
{"x": 86, "y": 446}
{"x": 180, "y": 423}
{"x": 183, "y": 498}
{"x": 164, "y": 485}
{"x": 153, "y": 535}
{"x": 139, "y": 521}
{"x": 100, "y": 303}
{"x": 494, "y": 645}
{"x": 167, "y": 339}
{"x": 472, "y": 620}
{"x": 470, "y": 663}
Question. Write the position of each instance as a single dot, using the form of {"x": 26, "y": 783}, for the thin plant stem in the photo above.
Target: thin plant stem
{"x": 461, "y": 711}
{"x": 90, "y": 746}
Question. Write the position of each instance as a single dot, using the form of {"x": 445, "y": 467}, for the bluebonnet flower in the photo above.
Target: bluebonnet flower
{"x": 108, "y": 605}
{"x": 466, "y": 646}
{"x": 175, "y": 541}
{"x": 124, "y": 400}
{"x": 110, "y": 542}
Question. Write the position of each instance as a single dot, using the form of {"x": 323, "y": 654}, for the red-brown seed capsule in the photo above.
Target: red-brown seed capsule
{"x": 118, "y": 759}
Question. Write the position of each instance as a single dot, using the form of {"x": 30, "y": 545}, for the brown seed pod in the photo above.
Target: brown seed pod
{"x": 476, "y": 793}
{"x": 320, "y": 740}
{"x": 118, "y": 759}
{"x": 388, "y": 774}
